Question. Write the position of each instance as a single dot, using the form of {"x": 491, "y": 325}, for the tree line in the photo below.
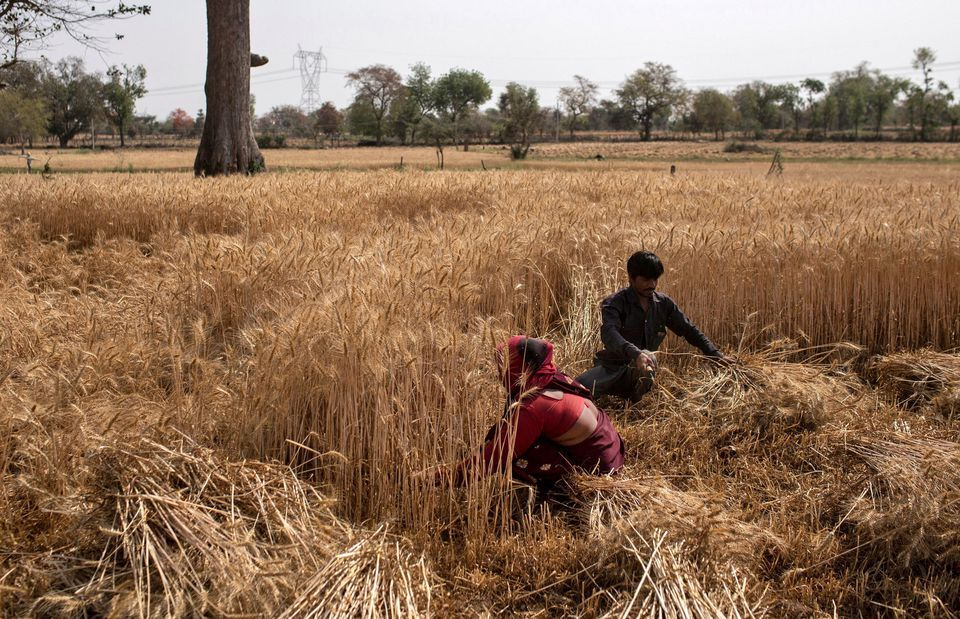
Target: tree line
{"x": 857, "y": 104}
{"x": 62, "y": 101}
{"x": 861, "y": 103}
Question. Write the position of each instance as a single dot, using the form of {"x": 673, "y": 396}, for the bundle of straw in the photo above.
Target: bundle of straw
{"x": 159, "y": 530}
{"x": 708, "y": 530}
{"x": 907, "y": 516}
{"x": 918, "y": 378}
{"x": 657, "y": 578}
{"x": 377, "y": 576}
{"x": 760, "y": 403}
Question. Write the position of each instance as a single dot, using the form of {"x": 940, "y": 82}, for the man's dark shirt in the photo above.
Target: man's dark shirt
{"x": 627, "y": 328}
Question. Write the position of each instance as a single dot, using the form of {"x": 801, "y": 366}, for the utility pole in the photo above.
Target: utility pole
{"x": 556, "y": 121}
{"x": 312, "y": 64}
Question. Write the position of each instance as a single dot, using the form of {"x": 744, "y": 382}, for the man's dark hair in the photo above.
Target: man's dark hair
{"x": 646, "y": 264}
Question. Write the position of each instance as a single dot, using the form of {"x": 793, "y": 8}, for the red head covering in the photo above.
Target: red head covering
{"x": 526, "y": 364}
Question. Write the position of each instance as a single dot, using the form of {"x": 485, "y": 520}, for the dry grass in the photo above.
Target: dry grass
{"x": 208, "y": 384}
{"x": 881, "y": 161}
{"x": 707, "y": 149}
{"x": 158, "y": 159}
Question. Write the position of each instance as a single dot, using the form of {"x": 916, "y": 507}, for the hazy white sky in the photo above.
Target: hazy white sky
{"x": 536, "y": 42}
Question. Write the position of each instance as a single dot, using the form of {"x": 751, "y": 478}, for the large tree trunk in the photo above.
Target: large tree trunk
{"x": 647, "y": 128}
{"x": 227, "y": 145}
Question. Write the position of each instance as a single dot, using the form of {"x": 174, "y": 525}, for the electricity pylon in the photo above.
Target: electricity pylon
{"x": 312, "y": 64}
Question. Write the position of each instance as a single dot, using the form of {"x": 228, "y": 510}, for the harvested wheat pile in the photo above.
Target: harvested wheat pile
{"x": 907, "y": 517}
{"x": 707, "y": 528}
{"x": 672, "y": 585}
{"x": 377, "y": 576}
{"x": 923, "y": 380}
{"x": 153, "y": 529}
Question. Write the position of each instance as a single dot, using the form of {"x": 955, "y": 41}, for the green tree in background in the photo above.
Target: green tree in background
{"x": 851, "y": 92}
{"x": 455, "y": 94}
{"x": 791, "y": 105}
{"x": 198, "y": 123}
{"x": 520, "y": 114}
{"x": 419, "y": 96}
{"x": 22, "y": 118}
{"x": 952, "y": 114}
{"x": 923, "y": 59}
{"x": 812, "y": 87}
{"x": 361, "y": 120}
{"x": 377, "y": 88}
{"x": 882, "y": 96}
{"x": 713, "y": 111}
{"x": 121, "y": 93}
{"x": 613, "y": 116}
{"x": 650, "y": 92}
{"x": 328, "y": 121}
{"x": 578, "y": 100}
{"x": 285, "y": 120}
{"x": 74, "y": 99}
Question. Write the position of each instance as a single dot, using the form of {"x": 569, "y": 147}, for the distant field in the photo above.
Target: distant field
{"x": 161, "y": 159}
{"x": 227, "y": 397}
{"x": 714, "y": 151}
{"x": 698, "y": 156}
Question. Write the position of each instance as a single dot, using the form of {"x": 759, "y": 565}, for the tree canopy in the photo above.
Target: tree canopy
{"x": 578, "y": 99}
{"x": 458, "y": 92}
{"x": 520, "y": 112}
{"x": 649, "y": 92}
{"x": 121, "y": 93}
{"x": 74, "y": 99}
{"x": 25, "y": 24}
{"x": 377, "y": 88}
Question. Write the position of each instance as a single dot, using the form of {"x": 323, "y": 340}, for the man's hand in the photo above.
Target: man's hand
{"x": 645, "y": 363}
{"x": 726, "y": 360}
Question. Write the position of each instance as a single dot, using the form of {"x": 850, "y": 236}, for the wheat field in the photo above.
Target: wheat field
{"x": 225, "y": 397}
{"x": 708, "y": 149}
{"x": 181, "y": 159}
{"x": 881, "y": 160}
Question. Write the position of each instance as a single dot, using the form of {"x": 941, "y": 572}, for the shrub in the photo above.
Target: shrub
{"x": 743, "y": 147}
{"x": 271, "y": 141}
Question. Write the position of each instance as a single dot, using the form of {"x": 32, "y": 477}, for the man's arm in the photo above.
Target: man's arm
{"x": 612, "y": 314}
{"x": 678, "y": 322}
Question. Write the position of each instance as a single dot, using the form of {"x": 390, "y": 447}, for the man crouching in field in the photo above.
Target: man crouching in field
{"x": 635, "y": 320}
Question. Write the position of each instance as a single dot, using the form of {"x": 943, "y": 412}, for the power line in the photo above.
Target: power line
{"x": 952, "y": 66}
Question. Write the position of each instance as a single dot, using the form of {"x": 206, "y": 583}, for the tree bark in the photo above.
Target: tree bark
{"x": 227, "y": 145}
{"x": 647, "y": 128}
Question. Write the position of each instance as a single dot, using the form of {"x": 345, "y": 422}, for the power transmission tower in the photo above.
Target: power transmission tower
{"x": 312, "y": 64}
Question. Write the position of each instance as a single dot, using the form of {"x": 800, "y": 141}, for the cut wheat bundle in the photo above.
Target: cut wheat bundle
{"x": 907, "y": 512}
{"x": 376, "y": 576}
{"x": 174, "y": 529}
{"x": 919, "y": 379}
